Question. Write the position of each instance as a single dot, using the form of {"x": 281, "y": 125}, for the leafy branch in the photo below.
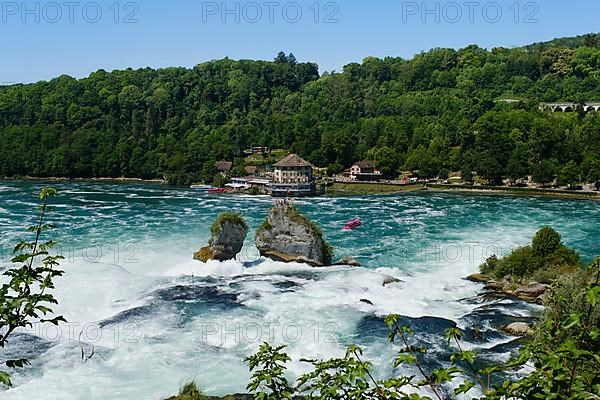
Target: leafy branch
{"x": 410, "y": 354}
{"x": 24, "y": 300}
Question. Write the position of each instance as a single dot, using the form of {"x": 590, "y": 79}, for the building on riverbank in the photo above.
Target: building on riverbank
{"x": 244, "y": 184}
{"x": 364, "y": 171}
{"x": 293, "y": 177}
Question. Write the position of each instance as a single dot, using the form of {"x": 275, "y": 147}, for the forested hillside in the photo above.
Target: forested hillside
{"x": 441, "y": 111}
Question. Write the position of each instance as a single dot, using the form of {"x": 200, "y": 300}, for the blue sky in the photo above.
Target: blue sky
{"x": 45, "y": 39}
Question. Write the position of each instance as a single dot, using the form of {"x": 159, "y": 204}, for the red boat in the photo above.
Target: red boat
{"x": 355, "y": 223}
{"x": 216, "y": 191}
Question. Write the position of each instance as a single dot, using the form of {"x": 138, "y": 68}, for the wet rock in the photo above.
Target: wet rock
{"x": 479, "y": 278}
{"x": 389, "y": 280}
{"x": 288, "y": 236}
{"x": 349, "y": 261}
{"x": 519, "y": 329}
{"x": 228, "y": 233}
{"x": 495, "y": 286}
{"x": 204, "y": 254}
{"x": 541, "y": 300}
{"x": 532, "y": 290}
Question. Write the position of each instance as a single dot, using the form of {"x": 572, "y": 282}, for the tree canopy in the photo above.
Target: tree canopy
{"x": 444, "y": 110}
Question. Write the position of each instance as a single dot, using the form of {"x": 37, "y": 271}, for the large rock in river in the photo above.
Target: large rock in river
{"x": 228, "y": 233}
{"x": 288, "y": 236}
{"x": 519, "y": 329}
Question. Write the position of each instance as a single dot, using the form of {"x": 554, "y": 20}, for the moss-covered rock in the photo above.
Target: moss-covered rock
{"x": 228, "y": 233}
{"x": 478, "y": 278}
{"x": 205, "y": 254}
{"x": 190, "y": 391}
{"x": 288, "y": 236}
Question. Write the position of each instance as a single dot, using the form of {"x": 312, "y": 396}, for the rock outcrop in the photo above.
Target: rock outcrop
{"x": 349, "y": 261}
{"x": 478, "y": 278}
{"x": 288, "y": 236}
{"x": 519, "y": 329}
{"x": 532, "y": 291}
{"x": 228, "y": 233}
{"x": 389, "y": 280}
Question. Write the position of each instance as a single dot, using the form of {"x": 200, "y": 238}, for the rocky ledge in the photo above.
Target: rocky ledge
{"x": 227, "y": 238}
{"x": 288, "y": 236}
{"x": 533, "y": 292}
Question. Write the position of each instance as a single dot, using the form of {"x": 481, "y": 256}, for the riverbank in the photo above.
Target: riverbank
{"x": 515, "y": 191}
{"x": 357, "y": 189}
{"x": 340, "y": 189}
{"x": 103, "y": 179}
{"x": 365, "y": 189}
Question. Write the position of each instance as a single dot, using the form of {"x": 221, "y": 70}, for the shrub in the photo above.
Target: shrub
{"x": 552, "y": 273}
{"x": 490, "y": 266}
{"x": 546, "y": 242}
{"x": 189, "y": 391}
{"x": 569, "y": 297}
{"x": 545, "y": 259}
{"x": 519, "y": 263}
{"x": 563, "y": 256}
{"x": 192, "y": 391}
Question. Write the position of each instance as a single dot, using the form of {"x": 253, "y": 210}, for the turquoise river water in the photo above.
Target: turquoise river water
{"x": 153, "y": 318}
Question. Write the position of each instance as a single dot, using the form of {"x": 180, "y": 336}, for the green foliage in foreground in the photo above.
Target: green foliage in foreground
{"x": 565, "y": 353}
{"x": 26, "y": 299}
{"x": 544, "y": 260}
{"x": 444, "y": 110}
{"x": 566, "y": 349}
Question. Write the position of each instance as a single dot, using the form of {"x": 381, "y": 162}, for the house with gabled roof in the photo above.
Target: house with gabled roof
{"x": 293, "y": 176}
{"x": 364, "y": 171}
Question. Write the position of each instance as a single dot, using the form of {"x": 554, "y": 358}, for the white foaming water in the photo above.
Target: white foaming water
{"x": 316, "y": 319}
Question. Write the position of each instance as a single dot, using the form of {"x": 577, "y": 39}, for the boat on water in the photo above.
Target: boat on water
{"x": 217, "y": 191}
{"x": 352, "y": 224}
{"x": 201, "y": 188}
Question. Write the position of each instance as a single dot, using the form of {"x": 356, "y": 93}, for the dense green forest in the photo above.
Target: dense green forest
{"x": 444, "y": 110}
